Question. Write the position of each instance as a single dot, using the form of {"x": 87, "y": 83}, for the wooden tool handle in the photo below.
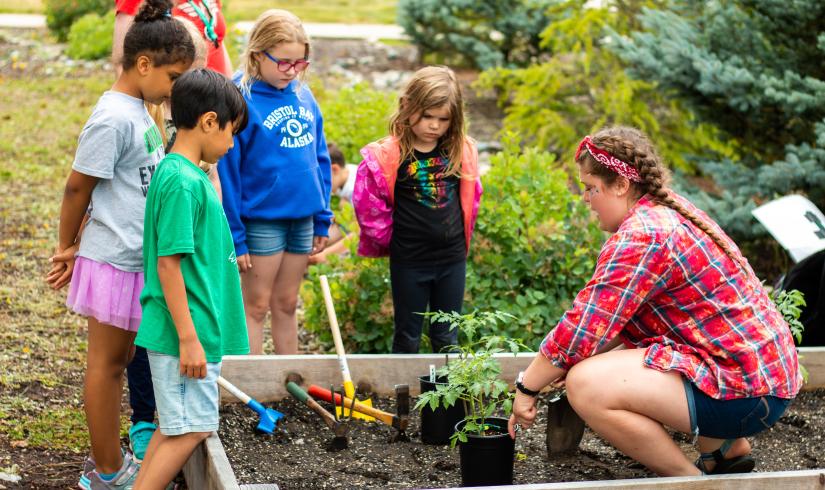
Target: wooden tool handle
{"x": 336, "y": 331}
{"x": 299, "y": 394}
{"x": 324, "y": 394}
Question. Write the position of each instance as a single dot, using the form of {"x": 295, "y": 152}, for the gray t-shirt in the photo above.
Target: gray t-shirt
{"x": 121, "y": 145}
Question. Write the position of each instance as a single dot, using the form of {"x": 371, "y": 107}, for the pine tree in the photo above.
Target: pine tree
{"x": 756, "y": 70}
{"x": 581, "y": 86}
{"x": 484, "y": 33}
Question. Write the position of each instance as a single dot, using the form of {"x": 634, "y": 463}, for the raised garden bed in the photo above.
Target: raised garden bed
{"x": 296, "y": 457}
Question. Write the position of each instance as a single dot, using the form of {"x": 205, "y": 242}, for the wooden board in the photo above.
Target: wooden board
{"x": 264, "y": 377}
{"x": 813, "y": 359}
{"x": 779, "y": 480}
{"x": 208, "y": 468}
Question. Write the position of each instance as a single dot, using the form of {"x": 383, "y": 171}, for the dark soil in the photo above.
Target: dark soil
{"x": 296, "y": 456}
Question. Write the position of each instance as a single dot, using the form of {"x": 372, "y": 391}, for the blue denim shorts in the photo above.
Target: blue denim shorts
{"x": 269, "y": 237}
{"x": 731, "y": 419}
{"x": 184, "y": 404}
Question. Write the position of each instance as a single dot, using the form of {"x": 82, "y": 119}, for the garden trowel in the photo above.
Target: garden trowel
{"x": 349, "y": 388}
{"x": 564, "y": 426}
{"x": 269, "y": 416}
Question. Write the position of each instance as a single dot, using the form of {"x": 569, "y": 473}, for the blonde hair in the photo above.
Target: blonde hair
{"x": 273, "y": 27}
{"x": 431, "y": 87}
{"x": 634, "y": 148}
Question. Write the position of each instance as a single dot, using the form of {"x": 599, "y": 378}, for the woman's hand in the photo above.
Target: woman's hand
{"x": 524, "y": 413}
{"x": 244, "y": 263}
{"x": 319, "y": 243}
{"x": 62, "y": 266}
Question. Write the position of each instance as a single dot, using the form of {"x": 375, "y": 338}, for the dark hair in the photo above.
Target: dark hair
{"x": 336, "y": 156}
{"x": 199, "y": 91}
{"x": 156, "y": 35}
{"x": 634, "y": 148}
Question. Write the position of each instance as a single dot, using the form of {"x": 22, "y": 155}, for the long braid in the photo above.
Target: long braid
{"x": 633, "y": 147}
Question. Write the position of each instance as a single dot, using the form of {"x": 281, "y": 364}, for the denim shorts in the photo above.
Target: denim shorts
{"x": 184, "y": 404}
{"x": 269, "y": 237}
{"x": 731, "y": 419}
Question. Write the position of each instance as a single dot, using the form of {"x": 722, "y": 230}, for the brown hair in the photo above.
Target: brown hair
{"x": 429, "y": 88}
{"x": 336, "y": 156}
{"x": 273, "y": 27}
{"x": 634, "y": 148}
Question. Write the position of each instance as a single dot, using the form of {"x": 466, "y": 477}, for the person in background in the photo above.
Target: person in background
{"x": 416, "y": 198}
{"x": 276, "y": 180}
{"x": 343, "y": 183}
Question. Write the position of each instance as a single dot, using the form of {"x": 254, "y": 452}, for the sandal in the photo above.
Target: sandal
{"x": 739, "y": 464}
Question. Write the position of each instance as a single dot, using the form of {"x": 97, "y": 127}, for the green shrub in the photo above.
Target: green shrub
{"x": 61, "y": 14}
{"x": 533, "y": 249}
{"x": 535, "y": 244}
{"x": 90, "y": 38}
{"x": 356, "y": 116}
{"x": 360, "y": 289}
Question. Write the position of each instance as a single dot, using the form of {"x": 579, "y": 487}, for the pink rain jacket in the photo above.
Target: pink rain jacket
{"x": 374, "y": 194}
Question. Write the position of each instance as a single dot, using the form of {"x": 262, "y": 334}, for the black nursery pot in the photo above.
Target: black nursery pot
{"x": 487, "y": 460}
{"x": 438, "y": 425}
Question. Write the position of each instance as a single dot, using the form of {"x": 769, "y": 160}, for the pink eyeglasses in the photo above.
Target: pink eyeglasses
{"x": 284, "y": 66}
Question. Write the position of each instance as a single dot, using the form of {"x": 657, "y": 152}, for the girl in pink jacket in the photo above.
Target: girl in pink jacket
{"x": 416, "y": 198}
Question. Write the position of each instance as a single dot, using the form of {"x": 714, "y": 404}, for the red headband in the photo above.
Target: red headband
{"x": 608, "y": 160}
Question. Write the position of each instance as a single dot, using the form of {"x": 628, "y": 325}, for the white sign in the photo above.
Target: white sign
{"x": 796, "y": 223}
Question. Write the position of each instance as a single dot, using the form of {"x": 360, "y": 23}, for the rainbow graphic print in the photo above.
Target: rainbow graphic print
{"x": 427, "y": 179}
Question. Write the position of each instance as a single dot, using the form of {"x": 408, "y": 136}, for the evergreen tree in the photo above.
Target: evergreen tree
{"x": 581, "y": 86}
{"x": 755, "y": 69}
{"x": 484, "y": 33}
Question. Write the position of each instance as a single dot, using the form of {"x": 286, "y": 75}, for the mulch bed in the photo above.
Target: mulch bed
{"x": 296, "y": 456}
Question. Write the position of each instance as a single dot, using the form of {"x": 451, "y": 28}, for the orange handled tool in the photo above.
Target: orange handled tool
{"x": 390, "y": 419}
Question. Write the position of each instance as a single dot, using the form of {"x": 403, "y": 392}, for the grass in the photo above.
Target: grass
{"x": 345, "y": 11}
{"x": 22, "y": 7}
{"x": 42, "y": 348}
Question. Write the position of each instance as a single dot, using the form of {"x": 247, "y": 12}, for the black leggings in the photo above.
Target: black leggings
{"x": 414, "y": 287}
{"x": 141, "y": 392}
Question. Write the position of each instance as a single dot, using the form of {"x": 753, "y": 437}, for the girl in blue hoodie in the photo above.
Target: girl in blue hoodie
{"x": 276, "y": 180}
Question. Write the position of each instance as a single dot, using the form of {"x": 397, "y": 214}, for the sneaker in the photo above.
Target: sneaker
{"x": 88, "y": 467}
{"x": 139, "y": 436}
{"x": 124, "y": 479}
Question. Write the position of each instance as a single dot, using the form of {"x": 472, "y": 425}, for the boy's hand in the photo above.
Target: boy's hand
{"x": 319, "y": 243}
{"x": 192, "y": 359}
{"x": 62, "y": 266}
{"x": 244, "y": 263}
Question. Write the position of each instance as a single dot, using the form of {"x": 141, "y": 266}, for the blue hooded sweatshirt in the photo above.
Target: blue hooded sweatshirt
{"x": 279, "y": 167}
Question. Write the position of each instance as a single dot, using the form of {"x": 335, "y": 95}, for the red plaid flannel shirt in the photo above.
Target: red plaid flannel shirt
{"x": 662, "y": 284}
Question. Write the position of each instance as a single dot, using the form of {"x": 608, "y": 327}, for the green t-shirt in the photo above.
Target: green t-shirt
{"x": 184, "y": 216}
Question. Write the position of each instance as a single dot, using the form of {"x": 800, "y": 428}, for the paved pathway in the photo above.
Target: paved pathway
{"x": 372, "y": 32}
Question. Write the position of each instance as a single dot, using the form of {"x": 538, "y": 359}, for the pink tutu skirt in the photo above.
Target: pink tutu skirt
{"x": 109, "y": 295}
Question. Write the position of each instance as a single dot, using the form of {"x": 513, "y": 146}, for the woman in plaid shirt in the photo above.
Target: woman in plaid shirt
{"x": 686, "y": 335}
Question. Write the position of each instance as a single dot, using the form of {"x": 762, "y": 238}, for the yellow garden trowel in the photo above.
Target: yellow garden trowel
{"x": 349, "y": 388}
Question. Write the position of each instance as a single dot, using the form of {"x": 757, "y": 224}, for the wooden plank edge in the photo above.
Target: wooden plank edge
{"x": 208, "y": 468}
{"x": 264, "y": 377}
{"x": 796, "y": 480}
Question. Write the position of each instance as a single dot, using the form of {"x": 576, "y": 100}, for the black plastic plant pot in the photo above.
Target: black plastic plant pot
{"x": 487, "y": 460}
{"x": 438, "y": 425}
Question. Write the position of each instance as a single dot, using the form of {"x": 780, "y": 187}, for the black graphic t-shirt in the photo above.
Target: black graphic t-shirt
{"x": 428, "y": 227}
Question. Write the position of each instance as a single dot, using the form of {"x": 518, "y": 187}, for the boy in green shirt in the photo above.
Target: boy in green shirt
{"x": 192, "y": 306}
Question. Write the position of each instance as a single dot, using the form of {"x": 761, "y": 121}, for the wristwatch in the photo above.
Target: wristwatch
{"x": 520, "y": 386}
